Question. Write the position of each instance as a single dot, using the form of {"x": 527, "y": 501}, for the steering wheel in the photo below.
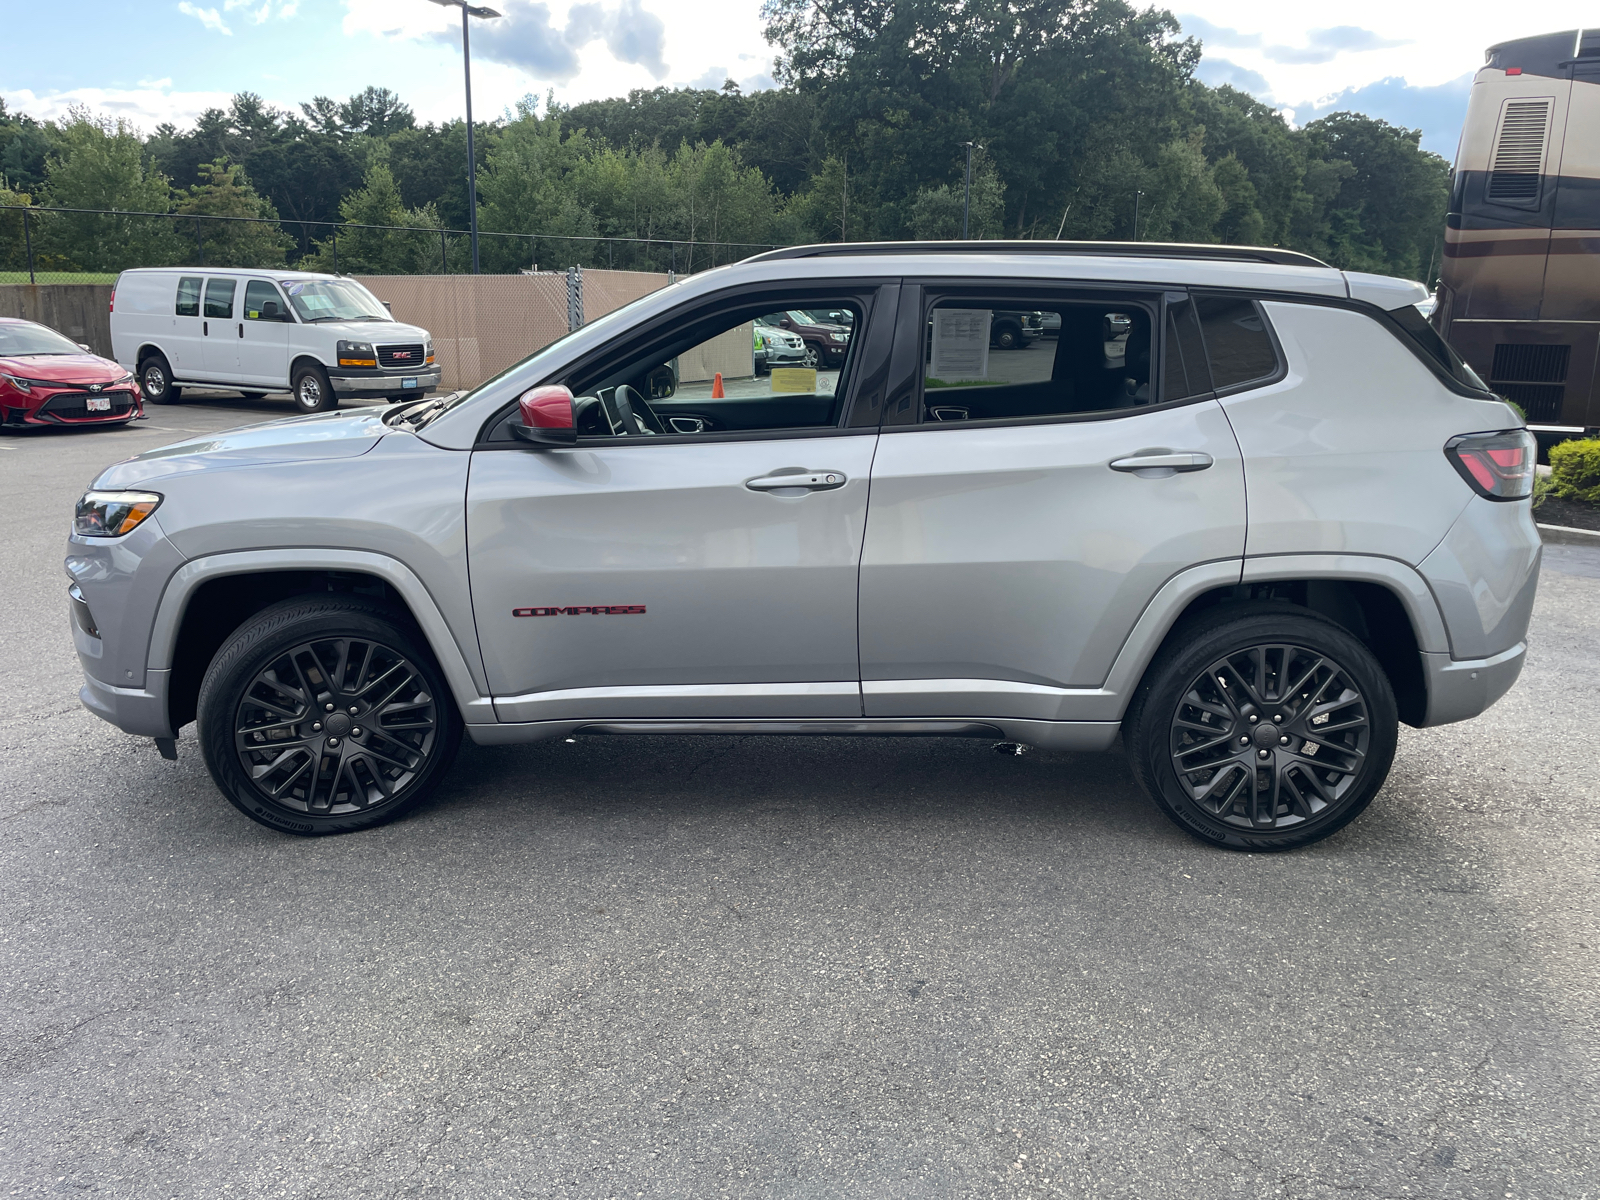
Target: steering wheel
{"x": 634, "y": 410}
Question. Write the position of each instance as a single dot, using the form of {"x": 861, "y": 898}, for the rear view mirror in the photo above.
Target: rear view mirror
{"x": 547, "y": 417}
{"x": 661, "y": 383}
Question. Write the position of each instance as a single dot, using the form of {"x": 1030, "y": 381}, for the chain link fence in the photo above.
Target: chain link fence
{"x": 80, "y": 245}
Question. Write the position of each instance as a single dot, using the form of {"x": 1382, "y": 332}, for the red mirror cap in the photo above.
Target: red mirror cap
{"x": 547, "y": 408}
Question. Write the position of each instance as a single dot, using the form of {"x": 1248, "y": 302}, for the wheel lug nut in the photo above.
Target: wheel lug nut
{"x": 1244, "y": 741}
{"x": 1283, "y": 741}
{"x": 356, "y": 732}
{"x": 1254, "y": 718}
{"x": 329, "y": 707}
{"x": 1261, "y": 754}
{"x": 1278, "y": 718}
{"x": 352, "y": 710}
{"x": 335, "y": 742}
{"x": 316, "y": 727}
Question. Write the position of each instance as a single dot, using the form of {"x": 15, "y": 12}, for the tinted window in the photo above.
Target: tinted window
{"x": 725, "y": 371}
{"x": 1424, "y": 337}
{"x": 189, "y": 296}
{"x": 258, "y": 296}
{"x": 1184, "y": 372}
{"x": 1237, "y": 342}
{"x": 219, "y": 297}
{"x": 994, "y": 360}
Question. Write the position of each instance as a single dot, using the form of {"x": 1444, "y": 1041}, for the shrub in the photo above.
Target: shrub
{"x": 1575, "y": 470}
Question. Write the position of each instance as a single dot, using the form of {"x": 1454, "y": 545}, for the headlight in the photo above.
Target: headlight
{"x": 840, "y": 337}
{"x": 357, "y": 354}
{"x": 27, "y": 385}
{"x": 112, "y": 514}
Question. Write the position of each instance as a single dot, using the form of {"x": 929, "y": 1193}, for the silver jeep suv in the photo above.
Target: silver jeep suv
{"x": 1245, "y": 510}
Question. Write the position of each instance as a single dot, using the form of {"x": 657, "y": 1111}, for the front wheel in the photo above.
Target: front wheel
{"x": 1007, "y": 337}
{"x": 326, "y": 714}
{"x": 1263, "y": 730}
{"x": 812, "y": 358}
{"x": 155, "y": 381}
{"x": 312, "y": 391}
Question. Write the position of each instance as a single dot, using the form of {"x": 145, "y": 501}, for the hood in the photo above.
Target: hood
{"x": 378, "y": 332}
{"x": 63, "y": 368}
{"x": 323, "y": 435}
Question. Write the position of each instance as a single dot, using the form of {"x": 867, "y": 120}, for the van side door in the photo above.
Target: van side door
{"x": 1028, "y": 502}
{"x": 183, "y": 349}
{"x": 219, "y": 340}
{"x": 263, "y": 336}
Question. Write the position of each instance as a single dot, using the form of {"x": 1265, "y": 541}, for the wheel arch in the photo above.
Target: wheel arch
{"x": 209, "y": 598}
{"x": 306, "y": 360}
{"x": 147, "y": 350}
{"x": 1382, "y": 602}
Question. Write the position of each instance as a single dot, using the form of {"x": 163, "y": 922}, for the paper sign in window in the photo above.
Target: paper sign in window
{"x": 797, "y": 380}
{"x": 960, "y": 344}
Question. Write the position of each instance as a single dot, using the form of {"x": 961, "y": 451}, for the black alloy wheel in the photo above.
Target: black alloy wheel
{"x": 155, "y": 381}
{"x": 1268, "y": 732}
{"x": 325, "y": 715}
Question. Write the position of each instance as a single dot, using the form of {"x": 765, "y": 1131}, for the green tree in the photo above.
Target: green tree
{"x": 234, "y": 243}
{"x": 375, "y": 241}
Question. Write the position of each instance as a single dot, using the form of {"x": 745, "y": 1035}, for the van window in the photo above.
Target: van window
{"x": 189, "y": 296}
{"x": 219, "y": 297}
{"x": 1011, "y": 358}
{"x": 1237, "y": 341}
{"x": 261, "y": 301}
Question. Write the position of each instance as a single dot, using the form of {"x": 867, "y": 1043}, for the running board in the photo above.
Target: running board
{"x": 886, "y": 727}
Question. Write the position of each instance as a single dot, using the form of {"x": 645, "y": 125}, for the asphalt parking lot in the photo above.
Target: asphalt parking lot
{"x": 706, "y": 967}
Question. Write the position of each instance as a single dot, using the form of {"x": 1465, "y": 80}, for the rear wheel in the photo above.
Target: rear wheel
{"x": 312, "y": 391}
{"x": 325, "y": 715}
{"x": 1263, "y": 730}
{"x": 155, "y": 381}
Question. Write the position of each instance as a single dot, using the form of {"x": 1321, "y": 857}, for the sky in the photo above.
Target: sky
{"x": 1410, "y": 63}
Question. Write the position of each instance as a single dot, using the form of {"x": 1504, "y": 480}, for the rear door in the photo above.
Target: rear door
{"x": 1028, "y": 503}
{"x": 663, "y": 567}
{"x": 184, "y": 348}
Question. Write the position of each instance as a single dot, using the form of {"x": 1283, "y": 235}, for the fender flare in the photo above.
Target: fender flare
{"x": 463, "y": 672}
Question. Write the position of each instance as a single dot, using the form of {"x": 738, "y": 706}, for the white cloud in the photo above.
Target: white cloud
{"x": 146, "y": 106}
{"x": 209, "y": 17}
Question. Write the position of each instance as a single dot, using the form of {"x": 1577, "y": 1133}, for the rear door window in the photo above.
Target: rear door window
{"x": 219, "y": 297}
{"x": 1238, "y": 343}
{"x": 188, "y": 296}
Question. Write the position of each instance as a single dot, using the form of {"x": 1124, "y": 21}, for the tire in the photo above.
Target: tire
{"x": 1197, "y": 752}
{"x": 812, "y": 359}
{"x": 155, "y": 381}
{"x": 312, "y": 391}
{"x": 1007, "y": 337}
{"x": 408, "y": 397}
{"x": 288, "y": 679}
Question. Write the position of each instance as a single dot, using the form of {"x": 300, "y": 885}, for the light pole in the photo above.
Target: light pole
{"x": 966, "y": 204}
{"x": 469, "y": 11}
{"x": 1136, "y": 196}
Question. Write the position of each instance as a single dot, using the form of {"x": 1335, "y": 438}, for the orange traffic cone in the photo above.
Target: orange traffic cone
{"x": 716, "y": 388}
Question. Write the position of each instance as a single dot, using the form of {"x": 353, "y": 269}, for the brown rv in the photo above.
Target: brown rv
{"x": 1519, "y": 290}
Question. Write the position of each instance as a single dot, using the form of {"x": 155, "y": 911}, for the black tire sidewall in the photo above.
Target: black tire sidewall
{"x": 1148, "y": 729}
{"x": 170, "y": 393}
{"x": 267, "y": 635}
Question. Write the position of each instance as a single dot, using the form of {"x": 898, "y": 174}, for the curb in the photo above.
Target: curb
{"x": 1565, "y": 535}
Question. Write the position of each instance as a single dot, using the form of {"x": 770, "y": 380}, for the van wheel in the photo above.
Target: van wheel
{"x": 155, "y": 381}
{"x": 312, "y": 391}
{"x": 326, "y": 714}
{"x": 1263, "y": 730}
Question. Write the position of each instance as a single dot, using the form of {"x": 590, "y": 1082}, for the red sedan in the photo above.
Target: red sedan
{"x": 47, "y": 380}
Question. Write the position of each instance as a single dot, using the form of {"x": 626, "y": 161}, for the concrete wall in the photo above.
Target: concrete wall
{"x": 79, "y": 310}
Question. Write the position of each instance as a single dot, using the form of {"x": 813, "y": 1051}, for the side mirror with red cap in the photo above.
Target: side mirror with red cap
{"x": 548, "y": 418}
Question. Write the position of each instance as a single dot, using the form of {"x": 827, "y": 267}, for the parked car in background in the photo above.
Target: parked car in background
{"x": 320, "y": 337}
{"x": 826, "y": 343}
{"x": 1016, "y": 330}
{"x": 47, "y": 379}
{"x": 777, "y": 348}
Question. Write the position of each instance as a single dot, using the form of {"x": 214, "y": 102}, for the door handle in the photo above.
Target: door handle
{"x": 795, "y": 477}
{"x": 1163, "y": 460}
{"x": 241, "y": 328}
{"x": 205, "y": 328}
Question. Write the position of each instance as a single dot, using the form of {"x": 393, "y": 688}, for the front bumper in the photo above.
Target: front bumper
{"x": 140, "y": 711}
{"x": 384, "y": 383}
{"x": 69, "y": 406}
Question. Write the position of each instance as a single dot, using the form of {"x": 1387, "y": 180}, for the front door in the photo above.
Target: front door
{"x": 1028, "y": 510}
{"x": 263, "y": 336}
{"x": 663, "y": 567}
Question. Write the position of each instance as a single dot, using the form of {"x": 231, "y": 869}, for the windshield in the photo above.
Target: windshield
{"x": 801, "y": 318}
{"x": 333, "y": 300}
{"x": 34, "y": 339}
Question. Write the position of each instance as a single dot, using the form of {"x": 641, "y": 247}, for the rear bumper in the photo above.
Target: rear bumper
{"x": 386, "y": 384}
{"x": 141, "y": 711}
{"x": 1459, "y": 689}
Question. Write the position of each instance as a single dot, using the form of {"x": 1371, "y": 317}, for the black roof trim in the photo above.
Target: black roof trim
{"x": 1258, "y": 254}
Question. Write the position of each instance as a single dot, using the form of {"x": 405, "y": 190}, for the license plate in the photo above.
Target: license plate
{"x": 408, "y": 383}
{"x": 99, "y": 404}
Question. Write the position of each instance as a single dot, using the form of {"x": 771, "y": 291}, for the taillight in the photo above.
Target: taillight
{"x": 1498, "y": 466}
{"x": 111, "y": 304}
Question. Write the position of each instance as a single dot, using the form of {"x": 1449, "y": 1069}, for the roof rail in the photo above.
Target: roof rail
{"x": 1261, "y": 254}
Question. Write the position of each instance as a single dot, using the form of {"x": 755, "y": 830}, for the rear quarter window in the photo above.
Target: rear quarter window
{"x": 1238, "y": 343}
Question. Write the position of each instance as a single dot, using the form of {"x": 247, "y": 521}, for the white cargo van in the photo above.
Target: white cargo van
{"x": 319, "y": 337}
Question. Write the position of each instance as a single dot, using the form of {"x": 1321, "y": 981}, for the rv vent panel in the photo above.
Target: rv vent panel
{"x": 1519, "y": 151}
{"x": 1530, "y": 364}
